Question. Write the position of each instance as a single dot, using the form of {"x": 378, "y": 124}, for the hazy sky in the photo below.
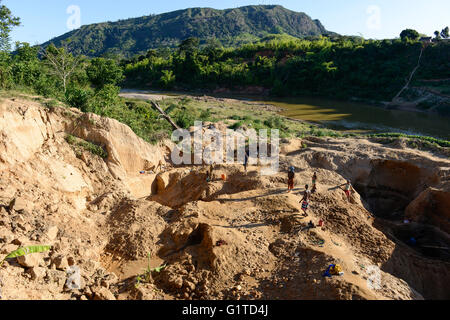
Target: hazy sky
{"x": 45, "y": 19}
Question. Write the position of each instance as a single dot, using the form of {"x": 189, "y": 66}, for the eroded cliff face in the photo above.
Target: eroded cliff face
{"x": 242, "y": 238}
{"x": 48, "y": 184}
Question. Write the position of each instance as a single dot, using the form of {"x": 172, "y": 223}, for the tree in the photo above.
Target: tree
{"x": 5, "y": 69}
{"x": 409, "y": 34}
{"x": 25, "y": 67}
{"x": 437, "y": 35}
{"x": 190, "y": 45}
{"x": 445, "y": 33}
{"x": 25, "y": 52}
{"x": 7, "y": 22}
{"x": 102, "y": 72}
{"x": 61, "y": 63}
{"x": 167, "y": 79}
{"x": 213, "y": 49}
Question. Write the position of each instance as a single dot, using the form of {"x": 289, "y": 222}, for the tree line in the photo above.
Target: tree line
{"x": 343, "y": 67}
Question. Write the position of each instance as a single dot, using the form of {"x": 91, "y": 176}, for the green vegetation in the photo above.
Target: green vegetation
{"x": 102, "y": 72}
{"x": 271, "y": 57}
{"x": 438, "y": 142}
{"x": 444, "y": 34}
{"x": 232, "y": 27}
{"x": 339, "y": 67}
{"x": 410, "y": 34}
{"x": 7, "y": 22}
{"x": 25, "y": 251}
{"x": 146, "y": 277}
{"x": 86, "y": 145}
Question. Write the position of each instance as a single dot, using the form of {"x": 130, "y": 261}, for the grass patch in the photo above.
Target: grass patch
{"x": 51, "y": 104}
{"x": 86, "y": 145}
{"x": 430, "y": 140}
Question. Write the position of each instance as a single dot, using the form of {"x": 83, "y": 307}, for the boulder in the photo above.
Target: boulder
{"x": 60, "y": 262}
{"x": 6, "y": 236}
{"x": 29, "y": 260}
{"x": 23, "y": 132}
{"x": 37, "y": 273}
{"x": 20, "y": 241}
{"x": 127, "y": 153}
{"x": 52, "y": 233}
{"x": 431, "y": 206}
{"x": 21, "y": 205}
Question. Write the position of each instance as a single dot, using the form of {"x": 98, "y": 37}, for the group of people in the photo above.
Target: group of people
{"x": 305, "y": 201}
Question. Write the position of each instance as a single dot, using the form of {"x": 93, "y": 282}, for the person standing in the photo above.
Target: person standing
{"x": 348, "y": 190}
{"x": 291, "y": 178}
{"x": 314, "y": 182}
{"x": 305, "y": 200}
{"x": 246, "y": 162}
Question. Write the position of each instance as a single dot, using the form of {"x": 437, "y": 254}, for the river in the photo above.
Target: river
{"x": 340, "y": 115}
{"x": 363, "y": 117}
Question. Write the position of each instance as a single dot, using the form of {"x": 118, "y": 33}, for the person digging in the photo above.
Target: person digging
{"x": 305, "y": 200}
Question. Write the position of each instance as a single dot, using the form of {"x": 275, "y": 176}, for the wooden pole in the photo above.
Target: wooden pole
{"x": 165, "y": 115}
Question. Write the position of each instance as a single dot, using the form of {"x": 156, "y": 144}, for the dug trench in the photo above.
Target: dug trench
{"x": 394, "y": 191}
{"x": 387, "y": 189}
{"x": 237, "y": 237}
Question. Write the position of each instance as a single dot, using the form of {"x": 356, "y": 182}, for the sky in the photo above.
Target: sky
{"x": 43, "y": 20}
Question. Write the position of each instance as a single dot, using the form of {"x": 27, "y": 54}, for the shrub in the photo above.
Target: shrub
{"x": 86, "y": 145}
{"x": 105, "y": 98}
{"x": 274, "y": 122}
{"x": 184, "y": 118}
{"x": 205, "y": 115}
{"x": 51, "y": 104}
{"x": 236, "y": 125}
{"x": 78, "y": 98}
{"x": 167, "y": 79}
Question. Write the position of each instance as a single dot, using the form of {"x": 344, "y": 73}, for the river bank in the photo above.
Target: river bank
{"x": 333, "y": 114}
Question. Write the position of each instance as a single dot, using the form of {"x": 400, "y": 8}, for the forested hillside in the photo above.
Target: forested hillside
{"x": 231, "y": 27}
{"x": 282, "y": 65}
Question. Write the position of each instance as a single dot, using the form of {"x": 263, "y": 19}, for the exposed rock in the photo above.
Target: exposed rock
{"x": 101, "y": 293}
{"x": 22, "y": 205}
{"x": 242, "y": 238}
{"x": 30, "y": 260}
{"x": 8, "y": 248}
{"x": 6, "y": 236}
{"x": 145, "y": 293}
{"x": 60, "y": 262}
{"x": 52, "y": 233}
{"x": 37, "y": 273}
{"x": 56, "y": 277}
{"x": 3, "y": 212}
{"x": 21, "y": 241}
{"x": 432, "y": 207}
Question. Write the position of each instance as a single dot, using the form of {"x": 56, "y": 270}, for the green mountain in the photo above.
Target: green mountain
{"x": 231, "y": 27}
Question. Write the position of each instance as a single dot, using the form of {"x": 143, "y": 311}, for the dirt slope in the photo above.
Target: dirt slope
{"x": 243, "y": 238}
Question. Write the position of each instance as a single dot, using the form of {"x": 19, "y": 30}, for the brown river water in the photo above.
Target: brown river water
{"x": 343, "y": 115}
